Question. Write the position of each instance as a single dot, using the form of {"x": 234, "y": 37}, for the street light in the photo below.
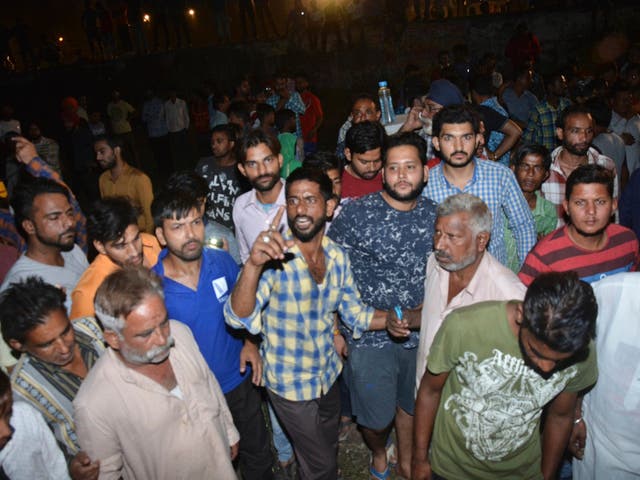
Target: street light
{"x": 146, "y": 18}
{"x": 60, "y": 39}
{"x": 191, "y": 12}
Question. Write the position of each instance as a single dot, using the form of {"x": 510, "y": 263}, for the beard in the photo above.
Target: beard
{"x": 155, "y": 355}
{"x": 528, "y": 362}
{"x": 188, "y": 256}
{"x": 597, "y": 233}
{"x": 448, "y": 161}
{"x": 107, "y": 164}
{"x": 63, "y": 245}
{"x": 308, "y": 235}
{"x": 454, "y": 266}
{"x": 403, "y": 197}
{"x": 574, "y": 150}
{"x": 262, "y": 187}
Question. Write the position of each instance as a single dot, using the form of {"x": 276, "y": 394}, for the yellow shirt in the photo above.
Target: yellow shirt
{"x": 135, "y": 185}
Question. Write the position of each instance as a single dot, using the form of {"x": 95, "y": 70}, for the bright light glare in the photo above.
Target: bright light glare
{"x": 61, "y": 39}
{"x": 191, "y": 12}
{"x": 146, "y": 18}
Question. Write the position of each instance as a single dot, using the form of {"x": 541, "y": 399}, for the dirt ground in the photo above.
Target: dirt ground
{"x": 353, "y": 458}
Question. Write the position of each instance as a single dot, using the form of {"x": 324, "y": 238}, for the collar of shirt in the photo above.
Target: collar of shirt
{"x": 331, "y": 253}
{"x": 592, "y": 157}
{"x": 477, "y": 175}
{"x": 126, "y": 171}
{"x": 253, "y": 199}
{"x": 475, "y": 284}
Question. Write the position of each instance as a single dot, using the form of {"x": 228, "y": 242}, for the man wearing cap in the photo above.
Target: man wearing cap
{"x": 443, "y": 93}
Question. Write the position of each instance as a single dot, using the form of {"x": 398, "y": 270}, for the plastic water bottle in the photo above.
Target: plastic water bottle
{"x": 386, "y": 104}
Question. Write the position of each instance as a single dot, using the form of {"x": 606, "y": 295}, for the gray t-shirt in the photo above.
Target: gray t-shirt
{"x": 66, "y": 277}
{"x": 611, "y": 145}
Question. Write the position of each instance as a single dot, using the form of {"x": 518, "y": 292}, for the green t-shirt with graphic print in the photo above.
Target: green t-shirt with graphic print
{"x": 487, "y": 424}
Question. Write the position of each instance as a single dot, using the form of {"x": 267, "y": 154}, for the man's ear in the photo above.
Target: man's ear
{"x": 436, "y": 142}
{"x": 347, "y": 154}
{"x": 28, "y": 227}
{"x": 112, "y": 339}
{"x": 99, "y": 247}
{"x": 241, "y": 168}
{"x": 280, "y": 160}
{"x": 160, "y": 236}
{"x": 16, "y": 345}
{"x": 559, "y": 133}
{"x": 482, "y": 240}
{"x": 565, "y": 205}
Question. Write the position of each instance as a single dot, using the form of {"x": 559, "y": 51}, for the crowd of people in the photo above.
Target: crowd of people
{"x": 460, "y": 284}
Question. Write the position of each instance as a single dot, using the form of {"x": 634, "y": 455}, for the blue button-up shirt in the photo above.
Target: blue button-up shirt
{"x": 496, "y": 185}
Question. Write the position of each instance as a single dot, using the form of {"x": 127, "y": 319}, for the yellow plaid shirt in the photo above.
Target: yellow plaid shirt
{"x": 294, "y": 315}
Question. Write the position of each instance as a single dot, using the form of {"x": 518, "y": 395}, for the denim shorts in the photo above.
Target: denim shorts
{"x": 381, "y": 379}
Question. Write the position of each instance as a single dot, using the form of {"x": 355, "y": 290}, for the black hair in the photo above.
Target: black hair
{"x": 228, "y": 129}
{"x": 573, "y": 109}
{"x": 560, "y": 310}
{"x": 411, "y": 139}
{"x": 25, "y": 193}
{"x": 188, "y": 182}
{"x": 5, "y": 393}
{"x": 552, "y": 77}
{"x": 109, "y": 218}
{"x": 600, "y": 111}
{"x": 218, "y": 98}
{"x": 112, "y": 141}
{"x": 310, "y": 174}
{"x": 323, "y": 159}
{"x": 262, "y": 110}
{"x": 26, "y": 304}
{"x": 365, "y": 136}
{"x": 170, "y": 204}
{"x": 590, "y": 173}
{"x": 482, "y": 84}
{"x": 456, "y": 114}
{"x": 531, "y": 149}
{"x": 240, "y": 109}
{"x": 253, "y": 139}
{"x": 283, "y": 116}
{"x": 365, "y": 96}
{"x": 619, "y": 87}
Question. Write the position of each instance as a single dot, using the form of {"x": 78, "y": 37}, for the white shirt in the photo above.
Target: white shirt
{"x": 611, "y": 409}
{"x": 177, "y": 115}
{"x": 631, "y": 126}
{"x": 139, "y": 430}
{"x": 32, "y": 453}
{"x": 492, "y": 281}
{"x": 250, "y": 218}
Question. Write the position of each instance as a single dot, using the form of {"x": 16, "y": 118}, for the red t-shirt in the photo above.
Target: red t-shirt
{"x": 557, "y": 253}
{"x": 355, "y": 187}
{"x": 310, "y": 116}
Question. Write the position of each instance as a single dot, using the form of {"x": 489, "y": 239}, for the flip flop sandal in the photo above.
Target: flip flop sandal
{"x": 376, "y": 475}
